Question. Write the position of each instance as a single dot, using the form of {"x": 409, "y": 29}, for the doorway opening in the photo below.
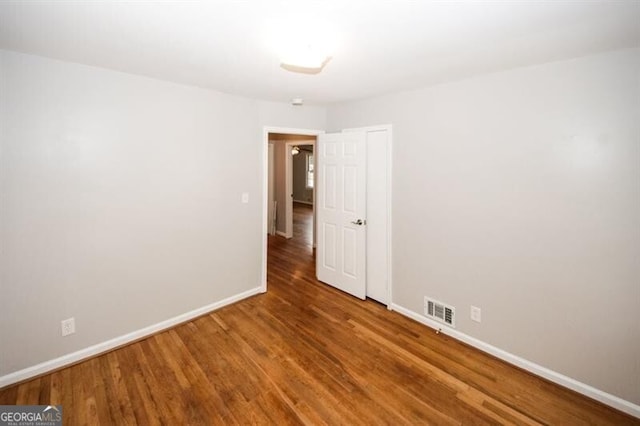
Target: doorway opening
{"x": 289, "y": 190}
{"x": 292, "y": 170}
{"x": 301, "y": 205}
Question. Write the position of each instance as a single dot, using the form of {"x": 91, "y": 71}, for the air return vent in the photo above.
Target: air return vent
{"x": 440, "y": 312}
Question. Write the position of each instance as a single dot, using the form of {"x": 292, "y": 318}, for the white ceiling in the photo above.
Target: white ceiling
{"x": 378, "y": 46}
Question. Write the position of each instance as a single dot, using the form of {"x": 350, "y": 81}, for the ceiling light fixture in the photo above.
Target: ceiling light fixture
{"x": 295, "y": 150}
{"x": 306, "y": 59}
{"x": 303, "y": 42}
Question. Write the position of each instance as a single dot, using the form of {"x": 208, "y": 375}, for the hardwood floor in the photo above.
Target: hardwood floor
{"x": 304, "y": 353}
{"x": 303, "y": 224}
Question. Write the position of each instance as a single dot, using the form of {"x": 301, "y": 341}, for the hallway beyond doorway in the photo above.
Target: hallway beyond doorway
{"x": 303, "y": 223}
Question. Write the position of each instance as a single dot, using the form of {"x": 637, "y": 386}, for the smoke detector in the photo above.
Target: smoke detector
{"x": 297, "y": 101}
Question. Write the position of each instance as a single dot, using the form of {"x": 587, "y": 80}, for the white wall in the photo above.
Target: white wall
{"x": 120, "y": 202}
{"x": 519, "y": 192}
{"x": 283, "y": 115}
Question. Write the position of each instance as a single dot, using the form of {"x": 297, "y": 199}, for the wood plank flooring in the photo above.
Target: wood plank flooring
{"x": 304, "y": 353}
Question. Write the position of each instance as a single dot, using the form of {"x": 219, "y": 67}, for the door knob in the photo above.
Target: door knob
{"x": 359, "y": 222}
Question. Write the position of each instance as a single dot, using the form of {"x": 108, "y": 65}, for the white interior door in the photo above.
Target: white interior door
{"x": 378, "y": 212}
{"x": 341, "y": 200}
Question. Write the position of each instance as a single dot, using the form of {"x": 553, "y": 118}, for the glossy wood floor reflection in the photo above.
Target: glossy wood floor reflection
{"x": 304, "y": 354}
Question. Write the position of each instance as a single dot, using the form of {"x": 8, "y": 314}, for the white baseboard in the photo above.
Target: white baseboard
{"x": 103, "y": 347}
{"x": 309, "y": 203}
{"x": 604, "y": 397}
{"x": 282, "y": 234}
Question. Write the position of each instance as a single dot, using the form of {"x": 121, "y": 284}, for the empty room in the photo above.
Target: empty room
{"x": 320, "y": 212}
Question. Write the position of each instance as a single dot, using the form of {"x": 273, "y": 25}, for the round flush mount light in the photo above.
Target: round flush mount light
{"x": 297, "y": 101}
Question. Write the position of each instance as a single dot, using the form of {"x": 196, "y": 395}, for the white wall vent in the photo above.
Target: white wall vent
{"x": 440, "y": 312}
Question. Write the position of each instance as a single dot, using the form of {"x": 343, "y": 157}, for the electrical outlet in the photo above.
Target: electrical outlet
{"x": 476, "y": 314}
{"x": 68, "y": 326}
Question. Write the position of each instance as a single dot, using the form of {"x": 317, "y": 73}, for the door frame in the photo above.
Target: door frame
{"x": 265, "y": 177}
{"x": 265, "y": 186}
{"x": 288, "y": 188}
